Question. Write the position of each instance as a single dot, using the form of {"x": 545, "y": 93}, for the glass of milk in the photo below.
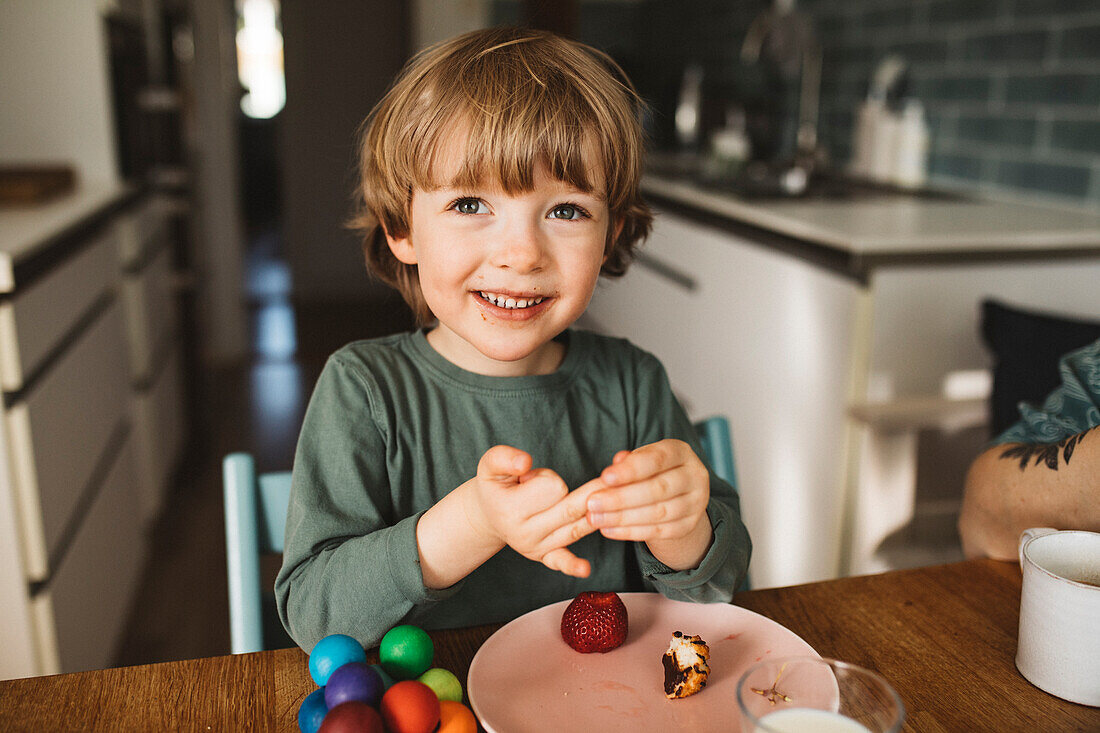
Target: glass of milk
{"x": 811, "y": 694}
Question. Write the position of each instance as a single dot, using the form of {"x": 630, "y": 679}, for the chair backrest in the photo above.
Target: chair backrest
{"x": 255, "y": 520}
{"x": 714, "y": 434}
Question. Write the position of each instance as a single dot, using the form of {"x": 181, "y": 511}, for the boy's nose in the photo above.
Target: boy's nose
{"x": 520, "y": 249}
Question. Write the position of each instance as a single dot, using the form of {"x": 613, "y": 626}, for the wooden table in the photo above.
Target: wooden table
{"x": 945, "y": 636}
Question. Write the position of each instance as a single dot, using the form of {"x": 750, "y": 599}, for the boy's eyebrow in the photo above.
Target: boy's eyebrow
{"x": 479, "y": 187}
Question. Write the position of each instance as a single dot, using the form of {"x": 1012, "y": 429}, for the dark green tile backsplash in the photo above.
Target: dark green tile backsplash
{"x": 1011, "y": 87}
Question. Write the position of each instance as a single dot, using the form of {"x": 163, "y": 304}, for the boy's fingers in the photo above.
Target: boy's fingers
{"x": 651, "y": 491}
{"x": 569, "y": 533}
{"x": 567, "y": 513}
{"x": 641, "y": 463}
{"x": 650, "y": 514}
{"x": 503, "y": 463}
{"x": 645, "y": 532}
{"x": 566, "y": 562}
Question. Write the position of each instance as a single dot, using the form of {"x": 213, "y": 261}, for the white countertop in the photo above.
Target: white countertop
{"x": 899, "y": 225}
{"x": 25, "y": 229}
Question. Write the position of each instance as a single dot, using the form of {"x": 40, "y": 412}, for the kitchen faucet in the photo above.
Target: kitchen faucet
{"x": 793, "y": 45}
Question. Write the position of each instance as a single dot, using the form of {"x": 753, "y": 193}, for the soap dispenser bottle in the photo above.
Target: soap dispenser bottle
{"x": 910, "y": 168}
{"x": 869, "y": 113}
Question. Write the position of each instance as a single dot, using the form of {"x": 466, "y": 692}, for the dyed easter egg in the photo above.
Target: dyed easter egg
{"x": 454, "y": 717}
{"x": 410, "y": 707}
{"x": 354, "y": 681}
{"x": 387, "y": 681}
{"x": 443, "y": 683}
{"x": 312, "y": 711}
{"x": 406, "y": 652}
{"x": 352, "y": 717}
{"x": 331, "y": 653}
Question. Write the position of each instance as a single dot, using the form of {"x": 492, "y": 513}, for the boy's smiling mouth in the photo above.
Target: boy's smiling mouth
{"x": 511, "y": 302}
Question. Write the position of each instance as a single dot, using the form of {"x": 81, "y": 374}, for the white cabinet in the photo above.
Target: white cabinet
{"x": 790, "y": 350}
{"x": 764, "y": 339}
{"x": 91, "y": 426}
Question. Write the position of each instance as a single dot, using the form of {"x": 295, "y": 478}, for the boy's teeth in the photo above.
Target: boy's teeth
{"x": 502, "y": 301}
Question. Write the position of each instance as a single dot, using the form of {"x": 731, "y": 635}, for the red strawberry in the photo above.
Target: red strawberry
{"x": 594, "y": 622}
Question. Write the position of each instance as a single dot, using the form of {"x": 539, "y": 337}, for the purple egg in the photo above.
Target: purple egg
{"x": 354, "y": 681}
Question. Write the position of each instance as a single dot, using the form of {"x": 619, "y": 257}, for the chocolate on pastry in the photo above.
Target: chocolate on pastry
{"x": 686, "y": 665}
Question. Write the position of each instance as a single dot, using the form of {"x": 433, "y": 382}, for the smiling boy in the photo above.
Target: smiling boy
{"x": 498, "y": 460}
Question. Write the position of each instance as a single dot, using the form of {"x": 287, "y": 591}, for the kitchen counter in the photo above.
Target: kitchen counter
{"x": 856, "y": 235}
{"x": 30, "y": 233}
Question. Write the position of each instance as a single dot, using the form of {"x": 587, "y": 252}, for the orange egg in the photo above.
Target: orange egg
{"x": 454, "y": 717}
{"x": 410, "y": 707}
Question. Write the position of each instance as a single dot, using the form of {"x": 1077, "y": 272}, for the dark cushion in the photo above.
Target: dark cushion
{"x": 1026, "y": 347}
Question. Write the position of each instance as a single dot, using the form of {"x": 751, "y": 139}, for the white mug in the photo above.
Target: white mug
{"x": 1059, "y": 643}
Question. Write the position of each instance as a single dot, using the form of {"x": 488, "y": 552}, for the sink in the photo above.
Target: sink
{"x": 761, "y": 182}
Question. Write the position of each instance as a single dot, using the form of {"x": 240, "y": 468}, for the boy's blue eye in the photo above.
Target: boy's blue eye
{"x": 567, "y": 211}
{"x": 468, "y": 206}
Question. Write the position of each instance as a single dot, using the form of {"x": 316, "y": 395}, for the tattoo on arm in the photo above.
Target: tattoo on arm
{"x": 1044, "y": 453}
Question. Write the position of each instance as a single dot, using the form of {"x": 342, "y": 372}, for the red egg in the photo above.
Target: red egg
{"x": 351, "y": 717}
{"x": 410, "y": 707}
{"x": 454, "y": 717}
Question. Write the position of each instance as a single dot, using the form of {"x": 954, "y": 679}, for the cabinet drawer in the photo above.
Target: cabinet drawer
{"x": 36, "y": 320}
{"x": 150, "y": 312}
{"x": 159, "y": 433}
{"x": 59, "y": 432}
{"x": 92, "y": 588}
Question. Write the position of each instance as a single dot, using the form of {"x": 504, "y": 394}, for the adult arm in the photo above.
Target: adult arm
{"x": 1044, "y": 471}
{"x": 1013, "y": 486}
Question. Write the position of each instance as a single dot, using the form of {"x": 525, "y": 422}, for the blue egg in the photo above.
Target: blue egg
{"x": 386, "y": 679}
{"x": 331, "y": 653}
{"x": 312, "y": 711}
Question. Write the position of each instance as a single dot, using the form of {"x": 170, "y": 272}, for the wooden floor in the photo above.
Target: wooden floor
{"x": 181, "y": 610}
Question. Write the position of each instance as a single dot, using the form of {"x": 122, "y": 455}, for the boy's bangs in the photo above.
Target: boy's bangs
{"x": 496, "y": 136}
{"x": 493, "y": 155}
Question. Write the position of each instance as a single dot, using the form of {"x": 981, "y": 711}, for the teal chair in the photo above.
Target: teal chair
{"x": 255, "y": 520}
{"x": 714, "y": 435}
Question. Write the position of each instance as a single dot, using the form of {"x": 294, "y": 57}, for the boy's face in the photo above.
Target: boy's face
{"x": 505, "y": 274}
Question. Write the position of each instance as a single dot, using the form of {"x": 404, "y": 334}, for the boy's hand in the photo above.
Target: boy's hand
{"x": 656, "y": 494}
{"x": 532, "y": 511}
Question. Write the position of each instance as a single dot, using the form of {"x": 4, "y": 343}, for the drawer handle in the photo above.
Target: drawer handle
{"x": 88, "y": 495}
{"x": 668, "y": 272}
{"x": 64, "y": 343}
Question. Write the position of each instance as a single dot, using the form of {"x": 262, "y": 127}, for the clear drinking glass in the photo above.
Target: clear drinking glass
{"x": 804, "y": 694}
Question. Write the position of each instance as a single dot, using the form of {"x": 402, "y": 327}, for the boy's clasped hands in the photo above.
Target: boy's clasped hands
{"x": 655, "y": 494}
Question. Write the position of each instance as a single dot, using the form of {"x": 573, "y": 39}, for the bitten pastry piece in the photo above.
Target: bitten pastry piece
{"x": 686, "y": 667}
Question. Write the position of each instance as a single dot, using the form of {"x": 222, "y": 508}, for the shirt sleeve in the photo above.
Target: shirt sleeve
{"x": 1072, "y": 408}
{"x": 349, "y": 565}
{"x": 725, "y": 566}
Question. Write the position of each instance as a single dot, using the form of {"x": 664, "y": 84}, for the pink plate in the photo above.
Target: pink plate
{"x": 526, "y": 678}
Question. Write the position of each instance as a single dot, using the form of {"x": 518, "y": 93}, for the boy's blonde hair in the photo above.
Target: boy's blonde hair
{"x": 520, "y": 98}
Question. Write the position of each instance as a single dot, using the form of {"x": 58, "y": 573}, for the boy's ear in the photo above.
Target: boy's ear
{"x": 617, "y": 229}
{"x": 401, "y": 247}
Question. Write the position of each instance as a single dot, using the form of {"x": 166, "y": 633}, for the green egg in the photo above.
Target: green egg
{"x": 444, "y": 683}
{"x": 406, "y": 652}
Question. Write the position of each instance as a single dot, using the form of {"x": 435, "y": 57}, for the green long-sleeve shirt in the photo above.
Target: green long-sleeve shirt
{"x": 392, "y": 427}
